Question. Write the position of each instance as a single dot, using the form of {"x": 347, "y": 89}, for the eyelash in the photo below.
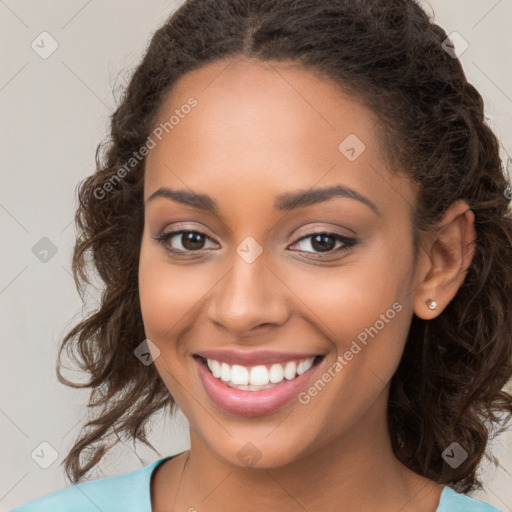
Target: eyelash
{"x": 348, "y": 243}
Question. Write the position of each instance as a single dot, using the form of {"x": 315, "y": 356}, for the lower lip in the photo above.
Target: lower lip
{"x": 251, "y": 403}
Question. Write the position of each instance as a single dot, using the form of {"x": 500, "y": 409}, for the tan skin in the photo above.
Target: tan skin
{"x": 261, "y": 130}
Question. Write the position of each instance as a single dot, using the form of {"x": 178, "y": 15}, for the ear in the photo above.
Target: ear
{"x": 444, "y": 259}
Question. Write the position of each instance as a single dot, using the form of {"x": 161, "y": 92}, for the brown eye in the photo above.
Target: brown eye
{"x": 183, "y": 241}
{"x": 322, "y": 242}
{"x": 192, "y": 241}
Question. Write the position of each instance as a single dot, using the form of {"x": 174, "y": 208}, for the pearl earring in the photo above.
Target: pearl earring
{"x": 431, "y": 303}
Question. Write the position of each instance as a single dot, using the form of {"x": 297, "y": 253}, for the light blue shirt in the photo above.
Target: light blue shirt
{"x": 130, "y": 492}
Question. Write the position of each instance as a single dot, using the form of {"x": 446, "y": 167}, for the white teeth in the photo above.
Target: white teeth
{"x": 276, "y": 373}
{"x": 225, "y": 372}
{"x": 258, "y": 377}
{"x": 290, "y": 369}
{"x": 305, "y": 365}
{"x": 214, "y": 367}
{"x": 239, "y": 375}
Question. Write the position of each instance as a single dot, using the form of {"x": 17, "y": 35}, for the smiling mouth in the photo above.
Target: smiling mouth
{"x": 258, "y": 377}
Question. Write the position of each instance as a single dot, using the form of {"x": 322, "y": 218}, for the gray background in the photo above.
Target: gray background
{"x": 54, "y": 111}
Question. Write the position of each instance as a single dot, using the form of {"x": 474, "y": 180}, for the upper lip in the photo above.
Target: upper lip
{"x": 243, "y": 358}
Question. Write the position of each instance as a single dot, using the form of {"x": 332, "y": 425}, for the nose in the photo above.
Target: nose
{"x": 249, "y": 297}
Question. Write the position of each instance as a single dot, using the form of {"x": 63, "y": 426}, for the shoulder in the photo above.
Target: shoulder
{"x": 452, "y": 501}
{"x": 126, "y": 492}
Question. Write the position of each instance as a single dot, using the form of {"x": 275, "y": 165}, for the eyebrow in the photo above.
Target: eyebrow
{"x": 284, "y": 202}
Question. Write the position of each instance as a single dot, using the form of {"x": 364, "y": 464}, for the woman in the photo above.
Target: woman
{"x": 302, "y": 227}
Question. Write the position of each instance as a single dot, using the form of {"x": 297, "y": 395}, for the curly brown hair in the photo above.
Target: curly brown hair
{"x": 449, "y": 385}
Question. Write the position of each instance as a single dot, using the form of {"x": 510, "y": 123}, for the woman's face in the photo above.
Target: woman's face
{"x": 271, "y": 279}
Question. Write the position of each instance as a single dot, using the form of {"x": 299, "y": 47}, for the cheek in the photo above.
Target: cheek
{"x": 344, "y": 300}
{"x": 378, "y": 309}
{"x": 168, "y": 292}
{"x": 362, "y": 306}
{"x": 166, "y": 297}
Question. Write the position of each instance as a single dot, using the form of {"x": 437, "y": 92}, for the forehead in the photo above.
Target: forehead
{"x": 266, "y": 124}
